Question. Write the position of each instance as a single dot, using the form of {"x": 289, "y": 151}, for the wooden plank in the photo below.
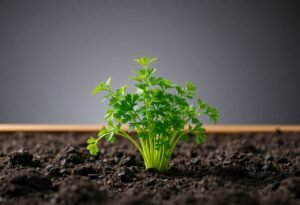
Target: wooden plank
{"x": 95, "y": 128}
{"x": 49, "y": 127}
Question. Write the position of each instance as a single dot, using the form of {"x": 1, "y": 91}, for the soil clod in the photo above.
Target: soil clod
{"x": 77, "y": 191}
{"x": 23, "y": 183}
{"x": 21, "y": 158}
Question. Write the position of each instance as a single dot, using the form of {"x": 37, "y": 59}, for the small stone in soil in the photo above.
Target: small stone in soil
{"x": 116, "y": 159}
{"x": 48, "y": 166}
{"x": 64, "y": 172}
{"x": 195, "y": 160}
{"x": 63, "y": 162}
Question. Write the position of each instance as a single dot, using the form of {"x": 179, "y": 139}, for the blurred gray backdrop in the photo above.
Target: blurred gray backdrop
{"x": 243, "y": 55}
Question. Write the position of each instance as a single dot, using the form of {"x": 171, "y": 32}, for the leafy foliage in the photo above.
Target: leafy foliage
{"x": 92, "y": 146}
{"x": 159, "y": 110}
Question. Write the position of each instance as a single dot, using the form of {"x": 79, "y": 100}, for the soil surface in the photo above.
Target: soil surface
{"x": 55, "y": 168}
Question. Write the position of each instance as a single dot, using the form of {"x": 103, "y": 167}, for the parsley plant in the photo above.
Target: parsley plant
{"x": 159, "y": 110}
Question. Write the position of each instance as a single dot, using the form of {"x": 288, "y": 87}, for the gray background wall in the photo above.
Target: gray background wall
{"x": 243, "y": 55}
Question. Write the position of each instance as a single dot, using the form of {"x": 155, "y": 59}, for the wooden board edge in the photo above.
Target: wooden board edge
{"x": 95, "y": 128}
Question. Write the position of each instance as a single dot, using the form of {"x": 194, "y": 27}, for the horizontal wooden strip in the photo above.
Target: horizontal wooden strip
{"x": 95, "y": 128}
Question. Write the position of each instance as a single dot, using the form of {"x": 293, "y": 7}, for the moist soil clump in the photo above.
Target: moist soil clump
{"x": 56, "y": 168}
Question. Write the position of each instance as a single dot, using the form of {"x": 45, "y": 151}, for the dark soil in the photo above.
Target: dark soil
{"x": 44, "y": 168}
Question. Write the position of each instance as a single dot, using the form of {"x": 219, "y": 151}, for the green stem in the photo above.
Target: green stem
{"x": 146, "y": 152}
{"x": 176, "y": 137}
